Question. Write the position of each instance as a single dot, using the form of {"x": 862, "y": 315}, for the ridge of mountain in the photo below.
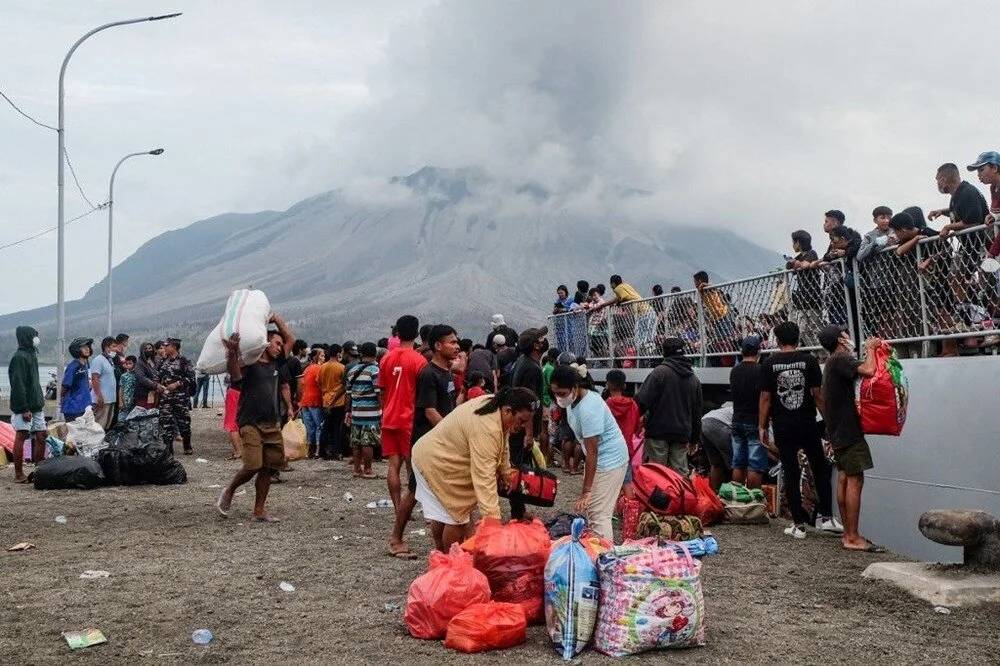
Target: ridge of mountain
{"x": 446, "y": 244}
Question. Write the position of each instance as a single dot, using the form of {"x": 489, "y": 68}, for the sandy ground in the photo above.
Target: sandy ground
{"x": 176, "y": 567}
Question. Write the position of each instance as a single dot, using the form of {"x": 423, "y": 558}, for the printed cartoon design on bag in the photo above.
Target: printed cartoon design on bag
{"x": 672, "y": 603}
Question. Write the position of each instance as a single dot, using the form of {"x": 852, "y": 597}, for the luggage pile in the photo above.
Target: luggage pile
{"x": 137, "y": 454}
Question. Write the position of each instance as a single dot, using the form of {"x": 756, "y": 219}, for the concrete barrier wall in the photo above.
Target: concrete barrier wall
{"x": 948, "y": 456}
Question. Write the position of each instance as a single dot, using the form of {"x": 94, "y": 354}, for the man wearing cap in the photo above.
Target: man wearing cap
{"x": 498, "y": 326}
{"x": 843, "y": 426}
{"x": 750, "y": 461}
{"x": 987, "y": 165}
{"x": 177, "y": 377}
{"x": 76, "y": 379}
{"x": 670, "y": 399}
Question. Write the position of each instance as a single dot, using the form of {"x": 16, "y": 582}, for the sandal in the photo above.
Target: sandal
{"x": 401, "y": 552}
{"x": 869, "y": 548}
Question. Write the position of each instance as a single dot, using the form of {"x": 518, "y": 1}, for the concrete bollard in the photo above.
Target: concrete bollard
{"x": 977, "y": 532}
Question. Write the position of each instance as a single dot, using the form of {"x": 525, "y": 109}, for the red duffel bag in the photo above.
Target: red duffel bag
{"x": 883, "y": 398}
{"x": 664, "y": 491}
{"x": 537, "y": 487}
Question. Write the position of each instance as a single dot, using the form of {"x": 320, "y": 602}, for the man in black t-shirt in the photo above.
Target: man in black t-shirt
{"x": 744, "y": 385}
{"x": 264, "y": 387}
{"x": 843, "y": 426}
{"x": 790, "y": 396}
{"x": 436, "y": 393}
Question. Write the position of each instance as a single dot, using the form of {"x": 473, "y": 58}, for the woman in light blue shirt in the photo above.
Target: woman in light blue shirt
{"x": 603, "y": 445}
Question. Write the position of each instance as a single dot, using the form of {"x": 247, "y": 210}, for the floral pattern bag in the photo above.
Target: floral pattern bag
{"x": 651, "y": 598}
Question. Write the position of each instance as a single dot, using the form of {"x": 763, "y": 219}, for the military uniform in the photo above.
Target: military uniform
{"x": 175, "y": 405}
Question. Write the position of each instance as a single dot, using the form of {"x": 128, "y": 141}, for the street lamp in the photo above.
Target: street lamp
{"x": 61, "y": 224}
{"x": 111, "y": 207}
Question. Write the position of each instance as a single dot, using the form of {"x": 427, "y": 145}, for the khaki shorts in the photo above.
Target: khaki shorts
{"x": 263, "y": 446}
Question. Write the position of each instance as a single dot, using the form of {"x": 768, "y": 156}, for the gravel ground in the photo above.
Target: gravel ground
{"x": 176, "y": 567}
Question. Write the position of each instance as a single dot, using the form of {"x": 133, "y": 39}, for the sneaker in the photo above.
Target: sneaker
{"x": 796, "y": 531}
{"x": 830, "y": 525}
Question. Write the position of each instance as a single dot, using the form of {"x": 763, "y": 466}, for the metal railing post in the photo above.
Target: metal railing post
{"x": 925, "y": 351}
{"x": 863, "y": 332}
{"x": 848, "y": 314}
{"x": 701, "y": 331}
{"x": 610, "y": 323}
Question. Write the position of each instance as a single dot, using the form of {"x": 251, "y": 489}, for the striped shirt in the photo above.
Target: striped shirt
{"x": 366, "y": 408}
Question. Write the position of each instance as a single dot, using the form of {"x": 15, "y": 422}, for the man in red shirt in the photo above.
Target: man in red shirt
{"x": 397, "y": 379}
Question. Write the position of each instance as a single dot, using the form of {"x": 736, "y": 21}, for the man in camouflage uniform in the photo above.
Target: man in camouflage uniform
{"x": 177, "y": 375}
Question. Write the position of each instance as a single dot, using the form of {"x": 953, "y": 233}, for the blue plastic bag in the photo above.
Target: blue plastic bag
{"x": 572, "y": 591}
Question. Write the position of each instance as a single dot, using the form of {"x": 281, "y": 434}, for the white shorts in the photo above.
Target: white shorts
{"x": 429, "y": 504}
{"x": 36, "y": 424}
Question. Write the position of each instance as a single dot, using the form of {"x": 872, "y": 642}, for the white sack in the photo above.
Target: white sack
{"x": 247, "y": 312}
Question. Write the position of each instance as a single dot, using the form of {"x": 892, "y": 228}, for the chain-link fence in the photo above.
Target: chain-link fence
{"x": 931, "y": 289}
{"x": 936, "y": 289}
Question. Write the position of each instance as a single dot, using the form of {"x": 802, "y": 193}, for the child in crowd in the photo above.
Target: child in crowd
{"x": 475, "y": 385}
{"x": 626, "y": 413}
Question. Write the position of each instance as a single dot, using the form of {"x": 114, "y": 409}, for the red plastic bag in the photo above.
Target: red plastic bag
{"x": 449, "y": 586}
{"x": 487, "y": 626}
{"x": 513, "y": 557}
{"x": 710, "y": 508}
{"x": 883, "y": 398}
{"x": 663, "y": 490}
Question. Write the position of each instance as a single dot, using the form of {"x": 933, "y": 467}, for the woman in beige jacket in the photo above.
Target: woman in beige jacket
{"x": 460, "y": 461}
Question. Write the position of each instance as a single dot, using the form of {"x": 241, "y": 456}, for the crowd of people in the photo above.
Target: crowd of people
{"x": 959, "y": 298}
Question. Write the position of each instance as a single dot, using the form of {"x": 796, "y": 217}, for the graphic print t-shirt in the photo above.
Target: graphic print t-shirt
{"x": 397, "y": 377}
{"x": 790, "y": 377}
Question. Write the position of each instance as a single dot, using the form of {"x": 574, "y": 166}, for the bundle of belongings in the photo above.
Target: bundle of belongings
{"x": 137, "y": 454}
{"x": 744, "y": 506}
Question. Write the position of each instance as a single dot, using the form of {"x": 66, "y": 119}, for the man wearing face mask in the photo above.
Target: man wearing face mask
{"x": 147, "y": 378}
{"x": 177, "y": 377}
{"x": 27, "y": 403}
{"x": 104, "y": 383}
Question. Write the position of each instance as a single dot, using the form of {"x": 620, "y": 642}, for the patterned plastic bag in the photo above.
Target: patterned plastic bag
{"x": 572, "y": 590}
{"x": 651, "y": 598}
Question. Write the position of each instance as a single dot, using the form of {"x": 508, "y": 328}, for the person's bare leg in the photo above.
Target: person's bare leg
{"x": 715, "y": 475}
{"x": 236, "y": 443}
{"x": 367, "y": 454}
{"x": 567, "y": 450}
{"x": 226, "y": 497}
{"x": 397, "y": 544}
{"x": 852, "y": 512}
{"x": 841, "y": 497}
{"x": 754, "y": 479}
{"x": 392, "y": 479}
{"x": 19, "y": 438}
{"x": 452, "y": 534}
{"x": 437, "y": 529}
{"x": 261, "y": 488}
{"x": 739, "y": 476}
{"x": 356, "y": 459}
{"x": 38, "y": 450}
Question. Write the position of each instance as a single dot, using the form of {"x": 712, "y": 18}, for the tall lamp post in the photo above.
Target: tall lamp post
{"x": 111, "y": 208}
{"x": 61, "y": 224}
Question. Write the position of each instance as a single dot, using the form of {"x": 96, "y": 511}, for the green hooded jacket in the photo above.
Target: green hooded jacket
{"x": 25, "y": 388}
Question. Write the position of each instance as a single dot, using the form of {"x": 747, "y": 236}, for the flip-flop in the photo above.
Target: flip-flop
{"x": 869, "y": 548}
{"x": 370, "y": 475}
{"x": 266, "y": 519}
{"x": 404, "y": 554}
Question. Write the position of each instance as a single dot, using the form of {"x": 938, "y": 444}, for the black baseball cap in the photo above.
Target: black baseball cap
{"x": 750, "y": 345}
{"x": 829, "y": 335}
{"x": 672, "y": 345}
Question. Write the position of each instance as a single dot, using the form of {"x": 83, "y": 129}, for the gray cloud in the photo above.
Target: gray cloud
{"x": 751, "y": 117}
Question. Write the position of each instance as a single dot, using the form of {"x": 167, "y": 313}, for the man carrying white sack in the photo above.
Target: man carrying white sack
{"x": 258, "y": 416}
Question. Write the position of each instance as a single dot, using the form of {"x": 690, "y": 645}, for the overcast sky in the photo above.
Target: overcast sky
{"x": 753, "y": 116}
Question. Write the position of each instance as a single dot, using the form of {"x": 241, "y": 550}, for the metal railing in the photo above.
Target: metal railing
{"x": 937, "y": 291}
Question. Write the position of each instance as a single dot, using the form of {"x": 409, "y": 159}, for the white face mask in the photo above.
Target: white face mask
{"x": 112, "y": 354}
{"x": 565, "y": 402}
{"x": 35, "y": 341}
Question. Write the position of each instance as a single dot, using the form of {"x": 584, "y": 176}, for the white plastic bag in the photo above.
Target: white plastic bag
{"x": 86, "y": 434}
{"x": 247, "y": 312}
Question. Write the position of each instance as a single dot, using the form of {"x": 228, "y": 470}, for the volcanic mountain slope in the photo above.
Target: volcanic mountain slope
{"x": 446, "y": 245}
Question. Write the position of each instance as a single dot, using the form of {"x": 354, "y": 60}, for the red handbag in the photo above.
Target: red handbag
{"x": 533, "y": 486}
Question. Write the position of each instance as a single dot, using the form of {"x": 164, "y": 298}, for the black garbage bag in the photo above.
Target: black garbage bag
{"x": 68, "y": 472}
{"x": 139, "y": 456}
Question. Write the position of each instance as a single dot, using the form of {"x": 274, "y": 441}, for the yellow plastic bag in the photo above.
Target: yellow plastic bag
{"x": 536, "y": 453}
{"x": 294, "y": 436}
